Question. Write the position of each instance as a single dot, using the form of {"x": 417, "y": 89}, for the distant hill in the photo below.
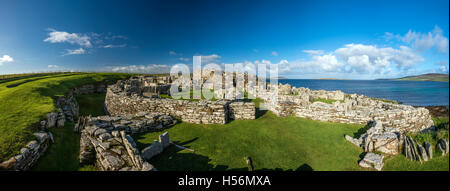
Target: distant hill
{"x": 424, "y": 77}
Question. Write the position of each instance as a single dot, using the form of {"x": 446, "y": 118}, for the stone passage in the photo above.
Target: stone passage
{"x": 105, "y": 140}
{"x": 127, "y": 97}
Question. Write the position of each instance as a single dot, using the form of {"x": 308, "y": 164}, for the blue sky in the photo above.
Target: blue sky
{"x": 308, "y": 39}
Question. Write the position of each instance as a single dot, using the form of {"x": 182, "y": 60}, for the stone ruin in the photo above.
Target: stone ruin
{"x": 106, "y": 141}
{"x": 378, "y": 138}
{"x": 350, "y": 109}
{"x": 135, "y": 106}
{"x": 389, "y": 122}
{"x": 127, "y": 97}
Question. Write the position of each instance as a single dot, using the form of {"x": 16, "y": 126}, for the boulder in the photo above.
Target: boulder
{"x": 147, "y": 167}
{"x": 428, "y": 149}
{"x": 51, "y": 119}
{"x": 61, "y": 122}
{"x": 423, "y": 152}
{"x": 372, "y": 160}
{"x": 386, "y": 143}
{"x": 41, "y": 136}
{"x": 112, "y": 162}
{"x": 442, "y": 145}
{"x": 43, "y": 124}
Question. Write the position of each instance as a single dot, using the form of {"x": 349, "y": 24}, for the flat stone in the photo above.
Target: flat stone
{"x": 33, "y": 145}
{"x": 99, "y": 131}
{"x": 105, "y": 136}
{"x": 41, "y": 136}
{"x": 372, "y": 160}
{"x": 422, "y": 152}
{"x": 51, "y": 119}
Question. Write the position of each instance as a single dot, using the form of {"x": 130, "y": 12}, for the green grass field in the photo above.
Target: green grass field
{"x": 25, "y": 101}
{"x": 273, "y": 143}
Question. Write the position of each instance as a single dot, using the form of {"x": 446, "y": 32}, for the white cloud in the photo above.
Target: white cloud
{"x": 317, "y": 64}
{"x": 118, "y": 37}
{"x": 354, "y": 59}
{"x": 147, "y": 69}
{"x": 274, "y": 53}
{"x": 6, "y": 58}
{"x": 115, "y": 46}
{"x": 173, "y": 53}
{"x": 213, "y": 58}
{"x": 443, "y": 69}
{"x": 52, "y": 66}
{"x": 72, "y": 38}
{"x": 443, "y": 66}
{"x": 74, "y": 52}
{"x": 373, "y": 59}
{"x": 314, "y": 52}
{"x": 184, "y": 59}
{"x": 424, "y": 41}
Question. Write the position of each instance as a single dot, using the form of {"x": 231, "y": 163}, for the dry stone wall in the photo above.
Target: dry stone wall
{"x": 125, "y": 97}
{"x": 30, "y": 153}
{"x": 352, "y": 109}
{"x": 105, "y": 140}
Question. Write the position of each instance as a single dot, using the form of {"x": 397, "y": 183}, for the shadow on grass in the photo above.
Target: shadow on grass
{"x": 25, "y": 77}
{"x": 176, "y": 159}
{"x": 260, "y": 113}
{"x": 362, "y": 130}
{"x": 304, "y": 168}
{"x": 63, "y": 86}
{"x": 31, "y": 80}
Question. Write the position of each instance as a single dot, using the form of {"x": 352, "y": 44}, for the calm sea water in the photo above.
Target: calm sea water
{"x": 407, "y": 92}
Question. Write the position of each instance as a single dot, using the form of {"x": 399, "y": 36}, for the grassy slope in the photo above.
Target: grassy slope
{"x": 26, "y": 101}
{"x": 427, "y": 77}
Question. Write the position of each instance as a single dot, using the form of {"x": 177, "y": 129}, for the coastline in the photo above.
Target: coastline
{"x": 437, "y": 110}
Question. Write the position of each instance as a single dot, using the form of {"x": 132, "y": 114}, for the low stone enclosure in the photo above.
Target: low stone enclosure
{"x": 127, "y": 97}
{"x": 389, "y": 121}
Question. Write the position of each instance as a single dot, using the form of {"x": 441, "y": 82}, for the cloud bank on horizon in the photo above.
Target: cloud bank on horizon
{"x": 307, "y": 44}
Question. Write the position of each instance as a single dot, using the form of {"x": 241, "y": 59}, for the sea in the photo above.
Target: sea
{"x": 416, "y": 93}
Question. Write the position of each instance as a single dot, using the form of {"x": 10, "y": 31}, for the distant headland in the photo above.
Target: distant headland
{"x": 424, "y": 77}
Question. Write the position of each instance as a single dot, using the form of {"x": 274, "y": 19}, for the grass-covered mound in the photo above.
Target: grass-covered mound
{"x": 25, "y": 100}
